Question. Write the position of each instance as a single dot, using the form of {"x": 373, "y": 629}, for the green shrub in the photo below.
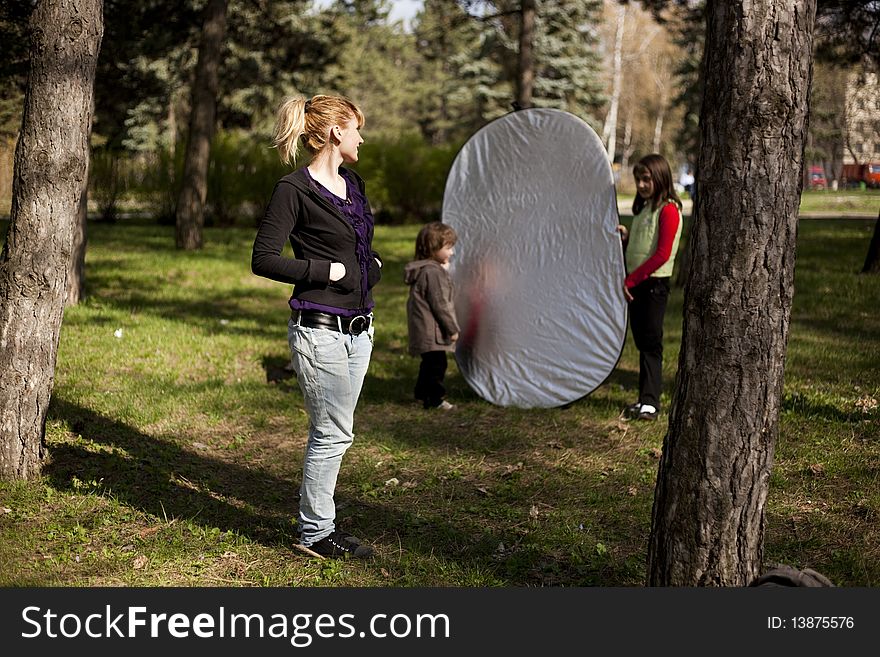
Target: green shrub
{"x": 242, "y": 173}
{"x": 406, "y": 177}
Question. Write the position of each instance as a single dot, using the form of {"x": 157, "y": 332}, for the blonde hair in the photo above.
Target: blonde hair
{"x": 310, "y": 121}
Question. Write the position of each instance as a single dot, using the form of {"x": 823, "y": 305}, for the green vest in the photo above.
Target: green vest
{"x": 643, "y": 240}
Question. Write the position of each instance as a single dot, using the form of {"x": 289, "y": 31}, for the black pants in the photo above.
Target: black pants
{"x": 646, "y": 312}
{"x": 429, "y": 386}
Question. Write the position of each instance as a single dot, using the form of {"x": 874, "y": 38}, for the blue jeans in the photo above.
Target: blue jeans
{"x": 330, "y": 367}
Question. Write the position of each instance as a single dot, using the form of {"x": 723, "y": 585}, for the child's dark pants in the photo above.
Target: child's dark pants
{"x": 429, "y": 386}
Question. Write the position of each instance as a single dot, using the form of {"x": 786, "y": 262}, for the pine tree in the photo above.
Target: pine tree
{"x": 373, "y": 64}
{"x": 567, "y": 64}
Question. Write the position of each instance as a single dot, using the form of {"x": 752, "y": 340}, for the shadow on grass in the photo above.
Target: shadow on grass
{"x": 161, "y": 478}
{"x": 805, "y": 407}
{"x": 217, "y": 315}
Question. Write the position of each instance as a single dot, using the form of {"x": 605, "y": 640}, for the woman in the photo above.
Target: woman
{"x": 322, "y": 210}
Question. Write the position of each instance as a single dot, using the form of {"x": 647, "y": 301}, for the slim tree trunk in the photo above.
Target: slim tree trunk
{"x": 627, "y": 147}
{"x": 708, "y": 517}
{"x": 658, "y": 128}
{"x": 206, "y": 86}
{"x": 526, "y": 78}
{"x": 872, "y": 260}
{"x": 76, "y": 275}
{"x": 609, "y": 129}
{"x": 50, "y": 166}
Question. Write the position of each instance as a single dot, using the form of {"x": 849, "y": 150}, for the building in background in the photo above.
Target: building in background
{"x": 861, "y": 152}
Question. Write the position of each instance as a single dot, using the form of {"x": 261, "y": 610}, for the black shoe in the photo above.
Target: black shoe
{"x": 632, "y": 411}
{"x": 351, "y": 538}
{"x": 338, "y": 544}
{"x": 650, "y": 416}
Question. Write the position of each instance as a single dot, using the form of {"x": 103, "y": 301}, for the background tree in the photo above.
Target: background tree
{"x": 872, "y": 259}
{"x": 50, "y": 168}
{"x": 374, "y": 66}
{"x": 848, "y": 31}
{"x": 445, "y": 38}
{"x": 708, "y": 517}
{"x": 525, "y": 73}
{"x": 14, "y": 36}
{"x": 567, "y": 64}
{"x": 205, "y": 89}
{"x": 609, "y": 125}
{"x": 825, "y": 138}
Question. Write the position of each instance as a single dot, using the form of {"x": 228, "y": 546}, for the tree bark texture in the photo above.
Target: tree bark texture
{"x": 206, "y": 86}
{"x": 50, "y": 168}
{"x": 526, "y": 77}
{"x": 872, "y": 259}
{"x": 76, "y": 274}
{"x": 708, "y": 516}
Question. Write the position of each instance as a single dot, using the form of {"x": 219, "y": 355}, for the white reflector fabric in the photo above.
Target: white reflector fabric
{"x": 538, "y": 266}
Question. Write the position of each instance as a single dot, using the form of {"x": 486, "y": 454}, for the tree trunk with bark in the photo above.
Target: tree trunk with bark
{"x": 708, "y": 516}
{"x": 525, "y": 81}
{"x": 206, "y": 86}
{"x": 872, "y": 260}
{"x": 50, "y": 167}
{"x": 76, "y": 274}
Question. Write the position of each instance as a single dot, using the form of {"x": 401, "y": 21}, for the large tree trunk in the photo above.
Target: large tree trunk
{"x": 708, "y": 517}
{"x": 525, "y": 81}
{"x": 50, "y": 166}
{"x": 206, "y": 86}
{"x": 872, "y": 260}
{"x": 76, "y": 274}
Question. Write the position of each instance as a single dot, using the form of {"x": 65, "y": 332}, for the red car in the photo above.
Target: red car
{"x": 817, "y": 178}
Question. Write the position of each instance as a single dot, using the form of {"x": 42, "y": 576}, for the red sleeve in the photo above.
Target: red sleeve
{"x": 668, "y": 220}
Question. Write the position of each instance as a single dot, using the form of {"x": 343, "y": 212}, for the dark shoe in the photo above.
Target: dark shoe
{"x": 351, "y": 538}
{"x": 651, "y": 416}
{"x": 632, "y": 411}
{"x": 339, "y": 544}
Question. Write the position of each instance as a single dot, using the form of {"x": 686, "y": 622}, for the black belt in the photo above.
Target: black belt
{"x": 316, "y": 319}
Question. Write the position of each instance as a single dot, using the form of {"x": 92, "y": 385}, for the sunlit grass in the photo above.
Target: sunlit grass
{"x": 175, "y": 440}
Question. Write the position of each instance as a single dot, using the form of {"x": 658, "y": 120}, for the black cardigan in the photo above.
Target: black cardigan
{"x": 319, "y": 235}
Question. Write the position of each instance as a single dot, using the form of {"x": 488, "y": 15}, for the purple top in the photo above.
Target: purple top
{"x": 355, "y": 210}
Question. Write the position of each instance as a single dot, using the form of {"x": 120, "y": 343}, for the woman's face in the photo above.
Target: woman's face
{"x": 645, "y": 185}
{"x": 349, "y": 140}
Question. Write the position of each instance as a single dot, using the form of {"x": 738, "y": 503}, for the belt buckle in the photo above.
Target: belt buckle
{"x": 358, "y": 325}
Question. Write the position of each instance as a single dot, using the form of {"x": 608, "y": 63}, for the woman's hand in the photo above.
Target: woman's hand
{"x": 337, "y": 271}
{"x": 627, "y": 294}
{"x": 624, "y": 233}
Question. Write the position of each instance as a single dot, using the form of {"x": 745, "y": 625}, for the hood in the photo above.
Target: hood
{"x": 412, "y": 269}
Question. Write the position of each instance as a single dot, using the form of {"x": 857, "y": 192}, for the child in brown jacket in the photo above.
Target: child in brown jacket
{"x": 430, "y": 312}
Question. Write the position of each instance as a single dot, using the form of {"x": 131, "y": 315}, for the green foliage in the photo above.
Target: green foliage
{"x": 15, "y": 37}
{"x": 567, "y": 63}
{"x": 406, "y": 177}
{"x": 241, "y": 175}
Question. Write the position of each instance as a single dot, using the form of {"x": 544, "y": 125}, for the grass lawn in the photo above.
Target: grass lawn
{"x": 844, "y": 201}
{"x": 175, "y": 440}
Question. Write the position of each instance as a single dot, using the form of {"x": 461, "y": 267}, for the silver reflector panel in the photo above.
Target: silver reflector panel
{"x": 538, "y": 266}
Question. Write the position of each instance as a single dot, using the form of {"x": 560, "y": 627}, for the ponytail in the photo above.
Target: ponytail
{"x": 310, "y": 122}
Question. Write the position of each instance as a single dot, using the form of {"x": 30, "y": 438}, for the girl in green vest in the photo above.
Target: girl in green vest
{"x": 650, "y": 247}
